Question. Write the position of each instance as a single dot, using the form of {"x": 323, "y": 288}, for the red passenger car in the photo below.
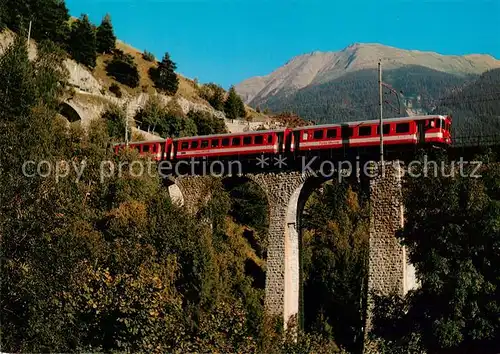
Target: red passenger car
{"x": 396, "y": 131}
{"x": 218, "y": 145}
{"x": 157, "y": 148}
{"x": 406, "y": 131}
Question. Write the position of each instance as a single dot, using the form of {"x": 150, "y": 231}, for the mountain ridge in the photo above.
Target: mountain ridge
{"x": 320, "y": 67}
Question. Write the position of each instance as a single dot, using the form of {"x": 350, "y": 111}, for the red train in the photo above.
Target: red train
{"x": 407, "y": 131}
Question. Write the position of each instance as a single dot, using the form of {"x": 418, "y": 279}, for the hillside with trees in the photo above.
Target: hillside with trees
{"x": 107, "y": 68}
{"x": 476, "y": 107}
{"x": 113, "y": 264}
{"x": 354, "y": 96}
{"x": 452, "y": 236}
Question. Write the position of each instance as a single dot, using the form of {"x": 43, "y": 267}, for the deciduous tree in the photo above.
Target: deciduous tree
{"x": 452, "y": 235}
{"x": 206, "y": 123}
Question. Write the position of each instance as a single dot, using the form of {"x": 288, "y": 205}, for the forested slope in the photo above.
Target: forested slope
{"x": 476, "y": 107}
{"x": 354, "y": 96}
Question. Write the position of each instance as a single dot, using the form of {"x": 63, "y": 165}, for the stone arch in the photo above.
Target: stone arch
{"x": 232, "y": 181}
{"x": 282, "y": 275}
{"x": 257, "y": 238}
{"x": 293, "y": 238}
{"x": 189, "y": 191}
{"x": 176, "y": 194}
{"x": 69, "y": 112}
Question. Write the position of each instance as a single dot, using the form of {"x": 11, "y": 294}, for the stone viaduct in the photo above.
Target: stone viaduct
{"x": 287, "y": 192}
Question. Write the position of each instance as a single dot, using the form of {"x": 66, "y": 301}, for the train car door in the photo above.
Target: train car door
{"x": 281, "y": 141}
{"x": 421, "y": 131}
{"x": 346, "y": 134}
{"x": 295, "y": 144}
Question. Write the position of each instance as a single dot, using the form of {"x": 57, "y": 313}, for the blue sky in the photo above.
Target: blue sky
{"x": 227, "y": 41}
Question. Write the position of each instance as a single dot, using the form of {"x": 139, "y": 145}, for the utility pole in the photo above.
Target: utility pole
{"x": 125, "y": 109}
{"x": 126, "y": 129}
{"x": 29, "y": 34}
{"x": 380, "y": 103}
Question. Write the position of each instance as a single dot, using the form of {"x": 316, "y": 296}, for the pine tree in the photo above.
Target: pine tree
{"x": 217, "y": 98}
{"x": 234, "y": 106}
{"x": 83, "y": 42}
{"x": 17, "y": 90}
{"x": 2, "y": 14}
{"x": 164, "y": 76}
{"x": 105, "y": 37}
{"x": 49, "y": 18}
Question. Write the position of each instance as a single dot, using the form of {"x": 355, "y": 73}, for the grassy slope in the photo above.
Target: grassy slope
{"x": 187, "y": 87}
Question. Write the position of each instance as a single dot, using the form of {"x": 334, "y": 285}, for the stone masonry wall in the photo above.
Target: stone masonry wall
{"x": 387, "y": 259}
{"x": 196, "y": 190}
{"x": 282, "y": 273}
{"x": 388, "y": 272}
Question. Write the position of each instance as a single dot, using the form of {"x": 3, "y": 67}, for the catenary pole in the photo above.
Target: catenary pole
{"x": 29, "y": 33}
{"x": 381, "y": 111}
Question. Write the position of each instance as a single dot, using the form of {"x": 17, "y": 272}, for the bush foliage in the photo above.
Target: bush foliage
{"x": 123, "y": 69}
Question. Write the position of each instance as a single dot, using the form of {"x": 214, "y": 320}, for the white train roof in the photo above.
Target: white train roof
{"x": 373, "y": 121}
{"x": 259, "y": 132}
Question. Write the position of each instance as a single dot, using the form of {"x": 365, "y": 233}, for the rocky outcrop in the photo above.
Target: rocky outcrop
{"x": 81, "y": 78}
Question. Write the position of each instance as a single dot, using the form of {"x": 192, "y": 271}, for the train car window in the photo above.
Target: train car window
{"x": 236, "y": 142}
{"x": 185, "y": 145}
{"x": 204, "y": 144}
{"x": 331, "y": 133}
{"x": 305, "y": 136}
{"x": 259, "y": 139}
{"x": 247, "y": 140}
{"x": 194, "y": 145}
{"x": 215, "y": 143}
{"x": 225, "y": 142}
{"x": 138, "y": 148}
{"x": 318, "y": 134}
{"x": 365, "y": 131}
{"x": 430, "y": 124}
{"x": 269, "y": 139}
{"x": 402, "y": 127}
{"x": 387, "y": 129}
{"x": 145, "y": 148}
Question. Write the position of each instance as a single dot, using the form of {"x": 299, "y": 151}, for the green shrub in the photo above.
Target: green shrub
{"x": 148, "y": 56}
{"x": 114, "y": 88}
{"x": 123, "y": 69}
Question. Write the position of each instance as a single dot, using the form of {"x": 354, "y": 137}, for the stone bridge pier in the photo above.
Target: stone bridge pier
{"x": 283, "y": 269}
{"x": 287, "y": 192}
{"x": 389, "y": 272}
